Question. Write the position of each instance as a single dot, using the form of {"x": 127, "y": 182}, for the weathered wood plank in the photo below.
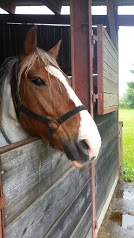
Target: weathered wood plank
{"x": 107, "y": 60}
{"x": 27, "y": 176}
{"x": 109, "y": 45}
{"x": 110, "y": 87}
{"x": 110, "y": 100}
{"x": 110, "y": 74}
{"x": 66, "y": 224}
{"x": 107, "y": 124}
{"x": 8, "y": 6}
{"x": 84, "y": 225}
{"x": 43, "y": 213}
{"x": 110, "y": 60}
{"x": 106, "y": 170}
{"x": 54, "y": 6}
{"x": 18, "y": 144}
{"x": 112, "y": 12}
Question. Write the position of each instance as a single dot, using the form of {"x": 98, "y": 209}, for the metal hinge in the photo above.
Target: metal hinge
{"x": 96, "y": 97}
{"x": 94, "y": 39}
{"x": 2, "y": 202}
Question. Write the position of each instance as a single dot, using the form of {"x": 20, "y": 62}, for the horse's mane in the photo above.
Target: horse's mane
{"x": 30, "y": 60}
{"x": 5, "y": 69}
{"x": 26, "y": 65}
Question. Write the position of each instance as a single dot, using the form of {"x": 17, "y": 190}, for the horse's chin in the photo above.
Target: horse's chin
{"x": 77, "y": 164}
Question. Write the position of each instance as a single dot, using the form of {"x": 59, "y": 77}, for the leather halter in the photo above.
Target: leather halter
{"x": 53, "y": 124}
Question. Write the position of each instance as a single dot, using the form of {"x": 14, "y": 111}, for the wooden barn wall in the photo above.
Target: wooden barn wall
{"x": 107, "y": 163}
{"x": 44, "y": 196}
{"x": 13, "y": 35}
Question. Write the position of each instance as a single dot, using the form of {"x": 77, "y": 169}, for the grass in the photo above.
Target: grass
{"x": 127, "y": 116}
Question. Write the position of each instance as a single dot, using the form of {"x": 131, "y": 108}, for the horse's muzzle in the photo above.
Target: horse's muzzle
{"x": 76, "y": 151}
{"x": 83, "y": 147}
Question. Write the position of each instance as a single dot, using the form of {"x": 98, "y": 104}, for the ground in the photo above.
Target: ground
{"x": 119, "y": 219}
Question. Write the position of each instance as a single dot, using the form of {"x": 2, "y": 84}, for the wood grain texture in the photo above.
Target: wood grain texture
{"x": 84, "y": 225}
{"x": 27, "y": 173}
{"x": 40, "y": 216}
{"x": 107, "y": 61}
{"x": 107, "y": 162}
{"x": 72, "y": 215}
{"x": 39, "y": 185}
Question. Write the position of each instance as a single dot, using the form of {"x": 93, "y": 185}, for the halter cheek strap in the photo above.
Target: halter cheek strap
{"x": 52, "y": 123}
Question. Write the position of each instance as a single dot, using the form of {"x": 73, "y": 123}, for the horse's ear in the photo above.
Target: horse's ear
{"x": 30, "y": 42}
{"x": 55, "y": 50}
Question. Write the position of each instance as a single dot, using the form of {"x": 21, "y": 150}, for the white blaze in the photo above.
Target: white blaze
{"x": 88, "y": 130}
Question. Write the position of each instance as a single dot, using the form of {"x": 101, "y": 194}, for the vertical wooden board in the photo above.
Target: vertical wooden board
{"x": 107, "y": 61}
{"x": 112, "y": 13}
{"x": 1, "y": 226}
{"x": 79, "y": 49}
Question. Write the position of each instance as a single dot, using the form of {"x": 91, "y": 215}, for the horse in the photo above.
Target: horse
{"x": 37, "y": 100}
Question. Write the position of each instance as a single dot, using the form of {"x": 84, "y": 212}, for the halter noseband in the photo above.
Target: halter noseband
{"x": 53, "y": 124}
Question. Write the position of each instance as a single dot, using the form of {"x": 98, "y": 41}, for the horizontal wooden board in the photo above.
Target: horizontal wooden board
{"x": 107, "y": 69}
{"x": 26, "y": 175}
{"x": 110, "y": 87}
{"x": 106, "y": 170}
{"x": 108, "y": 44}
{"x": 65, "y": 225}
{"x": 84, "y": 225}
{"x": 38, "y": 218}
{"x": 110, "y": 100}
{"x": 107, "y": 124}
{"x": 110, "y": 74}
{"x": 110, "y": 60}
{"x": 61, "y": 207}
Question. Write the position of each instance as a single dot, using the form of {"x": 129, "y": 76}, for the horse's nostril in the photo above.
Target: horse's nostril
{"x": 83, "y": 146}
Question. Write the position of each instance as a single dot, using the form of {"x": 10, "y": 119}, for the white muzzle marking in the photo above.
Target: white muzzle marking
{"x": 88, "y": 130}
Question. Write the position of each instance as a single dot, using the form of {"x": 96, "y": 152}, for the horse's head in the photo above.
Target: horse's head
{"x": 49, "y": 108}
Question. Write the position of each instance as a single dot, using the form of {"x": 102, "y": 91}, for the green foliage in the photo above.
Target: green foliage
{"x": 127, "y": 101}
{"x": 127, "y": 116}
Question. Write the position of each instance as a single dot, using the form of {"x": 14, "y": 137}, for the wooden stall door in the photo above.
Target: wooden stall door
{"x": 107, "y": 70}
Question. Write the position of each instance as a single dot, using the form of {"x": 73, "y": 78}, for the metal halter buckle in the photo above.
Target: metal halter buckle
{"x": 54, "y": 124}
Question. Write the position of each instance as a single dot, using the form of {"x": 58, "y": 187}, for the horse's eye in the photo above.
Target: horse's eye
{"x": 39, "y": 82}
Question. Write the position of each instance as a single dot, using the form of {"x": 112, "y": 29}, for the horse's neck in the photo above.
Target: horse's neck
{"x": 9, "y": 121}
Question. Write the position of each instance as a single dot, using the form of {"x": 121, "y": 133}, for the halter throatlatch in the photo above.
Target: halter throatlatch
{"x": 52, "y": 123}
